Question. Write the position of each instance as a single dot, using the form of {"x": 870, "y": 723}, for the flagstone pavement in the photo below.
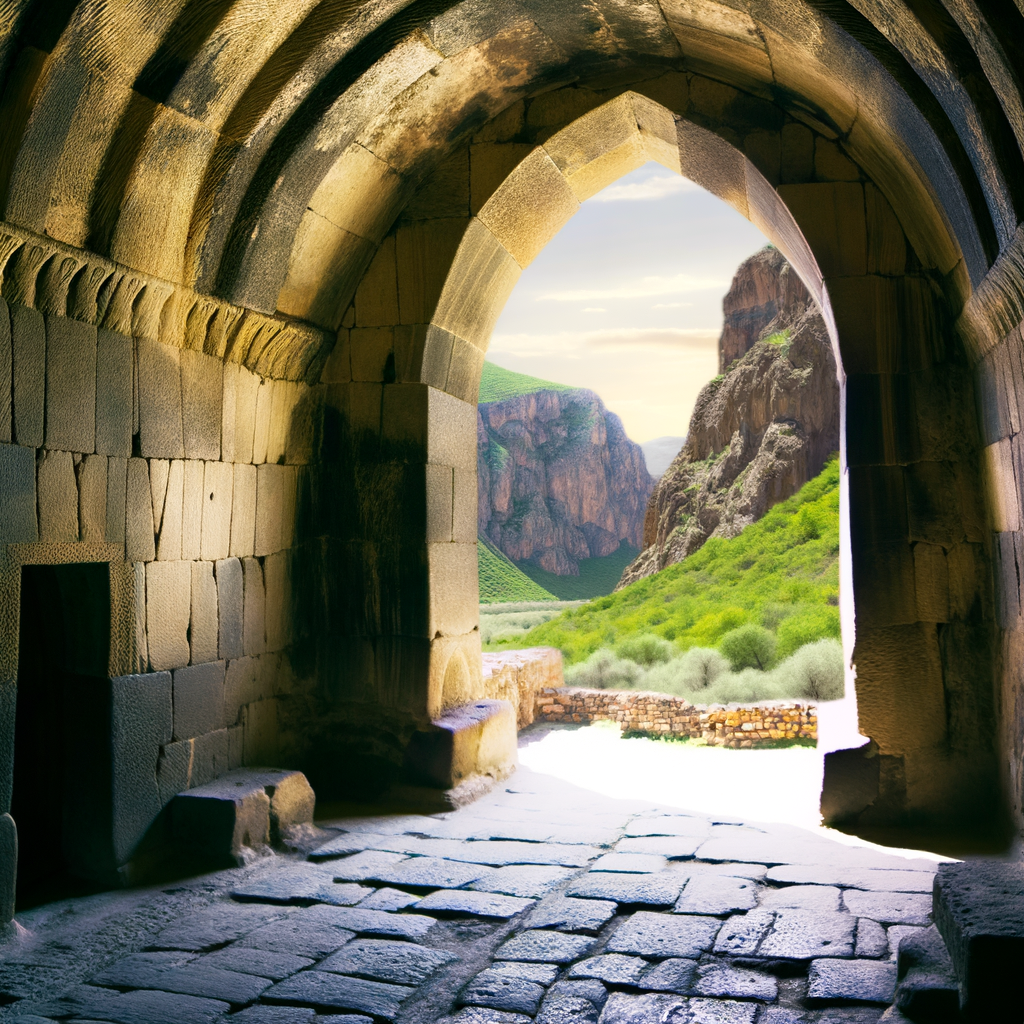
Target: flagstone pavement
{"x": 540, "y": 902}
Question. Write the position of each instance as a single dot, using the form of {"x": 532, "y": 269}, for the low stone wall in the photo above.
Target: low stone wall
{"x": 518, "y": 676}
{"x": 638, "y": 711}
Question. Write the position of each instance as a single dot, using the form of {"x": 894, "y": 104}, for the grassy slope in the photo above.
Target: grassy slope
{"x": 782, "y": 571}
{"x": 501, "y": 580}
{"x": 497, "y": 384}
{"x": 598, "y": 576}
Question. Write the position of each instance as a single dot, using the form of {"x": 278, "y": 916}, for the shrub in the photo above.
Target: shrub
{"x": 604, "y": 670}
{"x": 646, "y": 649}
{"x": 815, "y": 672}
{"x": 699, "y": 667}
{"x": 749, "y": 646}
{"x": 749, "y": 686}
{"x": 806, "y": 625}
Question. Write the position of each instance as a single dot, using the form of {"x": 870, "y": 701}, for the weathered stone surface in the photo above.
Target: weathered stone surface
{"x": 877, "y": 879}
{"x": 871, "y": 939}
{"x": 403, "y": 963}
{"x": 151, "y": 970}
{"x": 168, "y": 607}
{"x": 90, "y": 1003}
{"x": 479, "y": 904}
{"x": 656, "y": 890}
{"x": 669, "y": 825}
{"x": 565, "y": 914}
{"x": 230, "y": 608}
{"x": 673, "y": 975}
{"x": 70, "y": 385}
{"x": 203, "y": 619}
{"x": 113, "y": 394}
{"x": 545, "y": 947}
{"x": 711, "y": 894}
{"x": 718, "y": 979}
{"x": 627, "y": 1009}
{"x": 300, "y": 885}
{"x": 564, "y": 1008}
{"x": 392, "y": 899}
{"x": 801, "y": 897}
{"x": 159, "y": 377}
{"x": 198, "y": 700}
{"x": 28, "y": 340}
{"x": 17, "y": 495}
{"x": 889, "y": 907}
{"x": 280, "y": 1015}
{"x": 365, "y": 865}
{"x": 222, "y": 923}
{"x": 630, "y": 863}
{"x": 261, "y": 962}
{"x": 522, "y": 880}
{"x": 664, "y": 935}
{"x": 376, "y": 922}
{"x": 722, "y": 1011}
{"x": 927, "y": 986}
{"x": 322, "y": 989}
{"x": 670, "y": 847}
{"x": 864, "y": 981}
{"x": 486, "y": 1015}
{"x": 302, "y": 934}
{"x": 804, "y": 934}
{"x": 58, "y": 498}
{"x": 502, "y": 991}
{"x": 742, "y": 933}
{"x": 426, "y": 873}
{"x": 612, "y": 968}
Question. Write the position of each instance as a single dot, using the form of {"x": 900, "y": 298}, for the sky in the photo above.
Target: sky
{"x": 627, "y": 299}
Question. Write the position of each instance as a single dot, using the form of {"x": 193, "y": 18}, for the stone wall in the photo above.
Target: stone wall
{"x": 662, "y": 714}
{"x": 519, "y": 676}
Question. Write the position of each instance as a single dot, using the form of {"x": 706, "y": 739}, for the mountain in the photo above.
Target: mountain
{"x": 659, "y": 453}
{"x": 501, "y": 580}
{"x": 559, "y": 480}
{"x": 760, "y": 430}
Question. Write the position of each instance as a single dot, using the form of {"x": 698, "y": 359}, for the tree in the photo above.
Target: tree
{"x": 749, "y": 646}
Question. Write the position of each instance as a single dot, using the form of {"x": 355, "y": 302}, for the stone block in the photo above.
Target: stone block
{"x": 246, "y": 386}
{"x": 203, "y": 620}
{"x": 402, "y": 963}
{"x": 261, "y": 432}
{"x": 198, "y": 700}
{"x": 664, "y": 935}
{"x": 823, "y": 898}
{"x": 804, "y": 935}
{"x": 545, "y": 947}
{"x": 724, "y": 981}
{"x": 159, "y": 376}
{"x": 652, "y": 890}
{"x": 240, "y": 687}
{"x": 270, "y": 499}
{"x": 927, "y": 987}
{"x": 338, "y": 368}
{"x": 243, "y": 510}
{"x": 215, "y": 926}
{"x": 711, "y": 894}
{"x": 202, "y": 391}
{"x": 117, "y": 486}
{"x": 454, "y": 589}
{"x": 254, "y": 608}
{"x": 279, "y": 615}
{"x": 831, "y": 217}
{"x": 6, "y": 371}
{"x": 113, "y": 394}
{"x": 872, "y": 940}
{"x": 503, "y": 992}
{"x": 285, "y": 397}
{"x": 464, "y": 506}
{"x": 8, "y": 870}
{"x": 58, "y": 497}
{"x": 531, "y": 880}
{"x": 168, "y": 547}
{"x": 371, "y": 348}
{"x": 168, "y": 606}
{"x": 28, "y": 345}
{"x": 260, "y": 743}
{"x": 979, "y": 912}
{"x": 932, "y": 578}
{"x": 230, "y": 607}
{"x": 70, "y": 385}
{"x": 92, "y": 1003}
{"x": 192, "y": 503}
{"x": 261, "y": 962}
{"x": 140, "y": 644}
{"x": 612, "y": 968}
{"x": 457, "y": 902}
{"x": 566, "y": 914}
{"x": 18, "y": 523}
{"x": 216, "y": 528}
{"x": 474, "y": 739}
{"x": 376, "y": 298}
{"x": 337, "y": 992}
{"x": 845, "y": 981}
{"x": 229, "y": 380}
{"x": 139, "y": 542}
{"x": 886, "y": 243}
{"x": 92, "y": 499}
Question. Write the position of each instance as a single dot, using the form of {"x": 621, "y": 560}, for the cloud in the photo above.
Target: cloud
{"x": 594, "y": 309}
{"x": 653, "y": 188}
{"x": 645, "y": 287}
{"x": 576, "y": 344}
{"x": 671, "y": 305}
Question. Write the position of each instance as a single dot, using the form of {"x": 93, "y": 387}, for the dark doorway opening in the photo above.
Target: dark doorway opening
{"x": 61, "y": 729}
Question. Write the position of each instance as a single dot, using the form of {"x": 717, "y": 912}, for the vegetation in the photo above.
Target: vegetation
{"x": 502, "y": 625}
{"x": 500, "y": 580}
{"x": 497, "y": 384}
{"x": 598, "y": 576}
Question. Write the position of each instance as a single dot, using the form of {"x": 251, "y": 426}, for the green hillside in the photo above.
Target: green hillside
{"x": 501, "y": 580}
{"x": 781, "y": 572}
{"x": 598, "y": 576}
{"x": 497, "y": 384}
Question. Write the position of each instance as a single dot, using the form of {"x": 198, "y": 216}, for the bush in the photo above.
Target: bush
{"x": 805, "y": 626}
{"x": 749, "y": 686}
{"x": 815, "y": 672}
{"x": 604, "y": 670}
{"x": 647, "y": 649}
{"x": 749, "y": 646}
{"x": 699, "y": 667}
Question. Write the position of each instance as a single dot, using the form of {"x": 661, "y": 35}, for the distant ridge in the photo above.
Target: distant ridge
{"x": 497, "y": 384}
{"x": 659, "y": 453}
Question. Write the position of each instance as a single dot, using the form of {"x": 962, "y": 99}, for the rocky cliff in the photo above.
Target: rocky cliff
{"x": 760, "y": 430}
{"x": 559, "y": 480}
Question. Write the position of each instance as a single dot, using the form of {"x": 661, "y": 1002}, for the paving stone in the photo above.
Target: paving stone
{"x": 502, "y": 991}
{"x": 215, "y": 926}
{"x": 589, "y": 989}
{"x": 612, "y": 968}
{"x": 542, "y": 974}
{"x": 889, "y": 907}
{"x": 341, "y": 1018}
{"x": 262, "y": 962}
{"x": 379, "y": 923}
{"x": 718, "y": 979}
{"x": 871, "y": 939}
{"x": 742, "y": 933}
{"x": 878, "y": 879}
{"x": 927, "y": 986}
{"x": 363, "y": 866}
{"x": 660, "y": 890}
{"x": 721, "y": 894}
{"x": 299, "y": 936}
{"x": 275, "y": 1015}
{"x": 805, "y": 934}
{"x": 896, "y": 933}
{"x": 582, "y": 834}
{"x": 862, "y": 981}
{"x": 479, "y": 904}
{"x": 565, "y": 1008}
{"x": 388, "y": 899}
{"x": 402, "y": 963}
{"x": 801, "y": 897}
{"x": 664, "y": 935}
{"x": 674, "y": 975}
{"x": 301, "y": 886}
{"x": 671, "y": 847}
{"x": 566, "y": 914}
{"x": 689, "y": 869}
{"x": 545, "y": 947}
{"x": 485, "y": 1015}
{"x": 142, "y": 970}
{"x": 722, "y": 1011}
{"x": 669, "y": 825}
{"x": 89, "y": 1003}
{"x": 630, "y": 863}
{"x": 644, "y": 1009}
{"x": 533, "y": 880}
{"x": 338, "y": 992}
{"x": 429, "y": 873}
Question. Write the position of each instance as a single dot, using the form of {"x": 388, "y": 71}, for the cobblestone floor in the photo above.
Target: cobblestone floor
{"x": 541, "y": 902}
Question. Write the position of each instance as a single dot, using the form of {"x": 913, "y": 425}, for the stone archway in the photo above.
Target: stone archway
{"x": 265, "y": 239}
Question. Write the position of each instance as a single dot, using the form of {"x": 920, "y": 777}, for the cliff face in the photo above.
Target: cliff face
{"x": 559, "y": 480}
{"x": 759, "y": 431}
